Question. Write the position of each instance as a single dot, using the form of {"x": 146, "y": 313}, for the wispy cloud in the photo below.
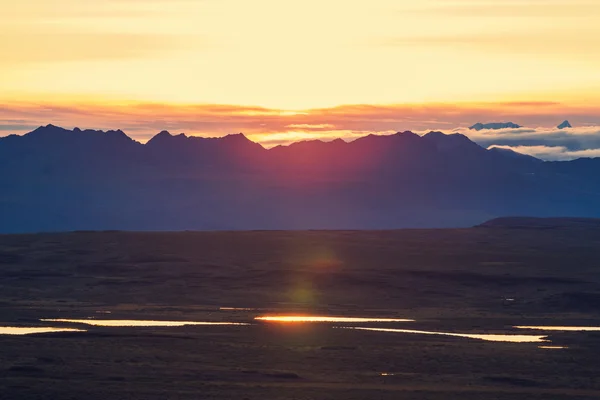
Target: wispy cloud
{"x": 310, "y": 126}
{"x": 575, "y": 139}
{"x": 144, "y": 119}
{"x": 43, "y": 47}
{"x": 252, "y": 52}
{"x": 543, "y": 42}
{"x": 552, "y": 153}
{"x": 514, "y": 9}
{"x": 12, "y": 127}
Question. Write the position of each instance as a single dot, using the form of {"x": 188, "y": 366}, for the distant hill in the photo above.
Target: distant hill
{"x": 494, "y": 125}
{"x": 564, "y": 125}
{"x": 55, "y": 179}
{"x": 541, "y": 223}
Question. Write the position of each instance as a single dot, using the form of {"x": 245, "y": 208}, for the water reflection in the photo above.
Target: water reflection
{"x": 486, "y": 337}
{"x": 562, "y": 328}
{"x": 123, "y": 323}
{"x": 310, "y": 318}
{"x": 13, "y": 330}
{"x": 553, "y": 347}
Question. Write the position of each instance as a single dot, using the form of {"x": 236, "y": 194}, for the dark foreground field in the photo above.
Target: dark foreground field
{"x": 479, "y": 280}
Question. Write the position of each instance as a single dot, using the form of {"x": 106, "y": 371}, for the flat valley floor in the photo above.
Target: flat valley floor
{"x": 482, "y": 280}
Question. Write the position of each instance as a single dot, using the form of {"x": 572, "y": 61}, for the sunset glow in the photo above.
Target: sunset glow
{"x": 262, "y": 53}
{"x": 440, "y": 63}
{"x": 306, "y": 318}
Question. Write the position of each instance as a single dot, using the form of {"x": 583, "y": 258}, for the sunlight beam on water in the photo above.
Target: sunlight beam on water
{"x": 561, "y": 328}
{"x": 124, "y": 323}
{"x": 13, "y": 330}
{"x": 486, "y": 337}
{"x": 310, "y": 318}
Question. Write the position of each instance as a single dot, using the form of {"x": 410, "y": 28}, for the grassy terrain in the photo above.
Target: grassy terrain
{"x": 447, "y": 280}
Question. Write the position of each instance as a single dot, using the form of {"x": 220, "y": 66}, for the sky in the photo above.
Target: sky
{"x": 296, "y": 69}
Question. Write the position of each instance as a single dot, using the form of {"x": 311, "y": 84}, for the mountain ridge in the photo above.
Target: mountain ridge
{"x": 55, "y": 179}
{"x": 165, "y": 136}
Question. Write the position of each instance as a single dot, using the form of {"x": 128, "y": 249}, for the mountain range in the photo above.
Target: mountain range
{"x": 494, "y": 125}
{"x": 54, "y": 179}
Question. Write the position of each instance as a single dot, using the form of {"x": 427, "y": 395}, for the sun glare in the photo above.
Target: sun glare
{"x": 307, "y": 318}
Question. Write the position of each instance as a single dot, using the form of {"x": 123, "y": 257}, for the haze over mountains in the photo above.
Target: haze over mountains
{"x": 53, "y": 179}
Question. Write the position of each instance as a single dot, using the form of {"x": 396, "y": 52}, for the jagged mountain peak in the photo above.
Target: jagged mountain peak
{"x": 434, "y": 134}
{"x": 406, "y": 133}
{"x": 47, "y": 129}
{"x": 452, "y": 142}
{"x": 165, "y": 137}
{"x": 236, "y": 136}
{"x": 50, "y": 132}
{"x": 438, "y": 135}
{"x": 564, "y": 125}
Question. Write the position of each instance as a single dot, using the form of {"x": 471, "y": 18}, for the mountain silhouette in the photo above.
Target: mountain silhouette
{"x": 514, "y": 155}
{"x": 494, "y": 125}
{"x": 564, "y": 124}
{"x": 54, "y": 179}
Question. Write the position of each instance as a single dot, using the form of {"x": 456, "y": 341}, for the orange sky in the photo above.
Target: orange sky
{"x": 296, "y": 55}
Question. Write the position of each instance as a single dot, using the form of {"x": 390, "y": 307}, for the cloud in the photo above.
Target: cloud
{"x": 573, "y": 139}
{"x": 516, "y": 9}
{"x": 8, "y": 127}
{"x": 42, "y": 31}
{"x": 580, "y": 43}
{"x": 310, "y": 126}
{"x": 35, "y": 48}
{"x": 552, "y": 153}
